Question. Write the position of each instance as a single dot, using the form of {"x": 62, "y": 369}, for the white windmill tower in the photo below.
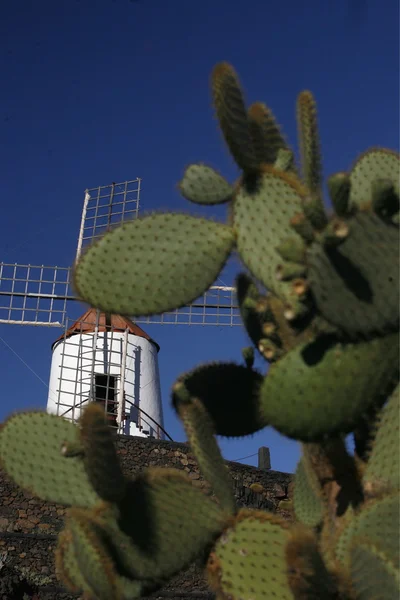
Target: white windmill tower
{"x": 104, "y": 358}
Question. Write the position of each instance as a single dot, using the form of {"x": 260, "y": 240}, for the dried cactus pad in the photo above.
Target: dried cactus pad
{"x": 376, "y": 163}
{"x": 154, "y": 264}
{"x": 356, "y": 285}
{"x": 31, "y": 453}
{"x": 248, "y": 560}
{"x": 316, "y": 389}
{"x": 262, "y": 221}
{"x": 309, "y": 577}
{"x": 203, "y": 185}
{"x": 384, "y": 461}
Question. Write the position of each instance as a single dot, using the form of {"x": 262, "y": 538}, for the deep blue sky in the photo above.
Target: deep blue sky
{"x": 95, "y": 91}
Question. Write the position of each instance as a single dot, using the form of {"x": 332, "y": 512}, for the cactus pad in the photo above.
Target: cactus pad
{"x": 157, "y": 515}
{"x": 66, "y": 564}
{"x": 383, "y": 465}
{"x": 311, "y": 154}
{"x": 373, "y": 575}
{"x": 230, "y": 395}
{"x": 378, "y": 523}
{"x": 203, "y": 185}
{"x": 356, "y": 285}
{"x": 307, "y": 496}
{"x": 152, "y": 265}
{"x": 93, "y": 558}
{"x": 266, "y": 135}
{"x": 100, "y": 458}
{"x": 31, "y": 454}
{"x": 232, "y": 116}
{"x": 248, "y": 560}
{"x": 315, "y": 390}
{"x": 261, "y": 219}
{"x": 200, "y": 432}
{"x": 374, "y": 164}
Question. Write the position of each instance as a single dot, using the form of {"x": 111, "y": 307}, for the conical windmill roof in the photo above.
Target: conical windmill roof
{"x": 87, "y": 324}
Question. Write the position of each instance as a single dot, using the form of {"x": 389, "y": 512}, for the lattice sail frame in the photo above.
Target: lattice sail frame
{"x": 41, "y": 295}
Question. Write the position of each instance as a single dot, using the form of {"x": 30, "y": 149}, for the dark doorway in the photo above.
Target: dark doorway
{"x": 105, "y": 393}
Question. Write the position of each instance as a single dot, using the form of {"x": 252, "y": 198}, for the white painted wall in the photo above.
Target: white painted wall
{"x": 71, "y": 376}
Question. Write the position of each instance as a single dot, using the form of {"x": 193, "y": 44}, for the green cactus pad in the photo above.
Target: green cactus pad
{"x": 203, "y": 185}
{"x": 162, "y": 511}
{"x": 66, "y": 564}
{"x": 31, "y": 453}
{"x": 248, "y": 560}
{"x": 385, "y": 200}
{"x": 92, "y": 555}
{"x": 311, "y": 157}
{"x": 266, "y": 135}
{"x": 307, "y": 496}
{"x": 199, "y": 429}
{"x": 129, "y": 589}
{"x": 316, "y": 389}
{"x": 100, "y": 458}
{"x": 339, "y": 191}
{"x": 154, "y": 264}
{"x": 376, "y": 163}
{"x": 69, "y": 572}
{"x": 232, "y": 116}
{"x": 378, "y": 523}
{"x": 285, "y": 160}
{"x": 229, "y": 393}
{"x": 373, "y": 576}
{"x": 356, "y": 286}
{"x": 383, "y": 465}
{"x": 262, "y": 221}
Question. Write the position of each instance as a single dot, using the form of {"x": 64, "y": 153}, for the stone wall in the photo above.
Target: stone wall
{"x": 29, "y": 526}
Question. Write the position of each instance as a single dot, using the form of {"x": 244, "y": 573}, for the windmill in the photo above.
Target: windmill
{"x": 103, "y": 358}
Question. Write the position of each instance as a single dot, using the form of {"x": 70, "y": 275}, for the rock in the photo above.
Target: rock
{"x": 278, "y": 491}
{"x": 24, "y": 523}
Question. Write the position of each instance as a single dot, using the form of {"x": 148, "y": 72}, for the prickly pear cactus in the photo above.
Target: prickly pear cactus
{"x": 328, "y": 326}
